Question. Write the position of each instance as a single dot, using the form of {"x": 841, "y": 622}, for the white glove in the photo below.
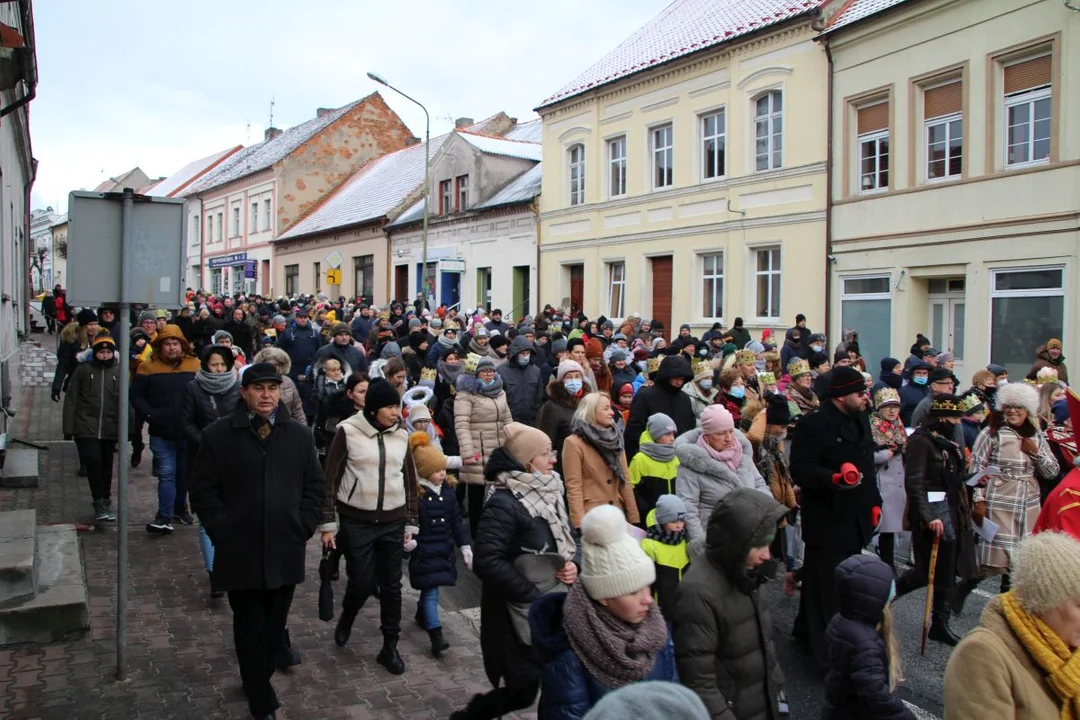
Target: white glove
{"x": 410, "y": 545}
{"x": 466, "y": 554}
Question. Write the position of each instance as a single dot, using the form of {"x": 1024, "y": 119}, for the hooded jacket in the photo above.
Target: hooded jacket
{"x": 723, "y": 630}
{"x": 556, "y": 415}
{"x": 524, "y": 385}
{"x": 651, "y": 478}
{"x": 661, "y": 397}
{"x": 92, "y": 402}
{"x": 857, "y": 679}
{"x": 480, "y": 425}
{"x": 1042, "y": 359}
{"x": 159, "y": 385}
{"x": 301, "y": 343}
{"x": 351, "y": 358}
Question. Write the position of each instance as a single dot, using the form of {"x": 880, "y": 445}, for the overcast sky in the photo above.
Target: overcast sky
{"x": 159, "y": 84}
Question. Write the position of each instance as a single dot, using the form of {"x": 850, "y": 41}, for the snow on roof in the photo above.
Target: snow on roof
{"x": 683, "y": 28}
{"x": 855, "y": 10}
{"x": 183, "y": 177}
{"x": 60, "y": 220}
{"x": 521, "y": 190}
{"x": 532, "y": 131}
{"x": 499, "y": 146}
{"x": 252, "y": 159}
{"x": 376, "y": 189}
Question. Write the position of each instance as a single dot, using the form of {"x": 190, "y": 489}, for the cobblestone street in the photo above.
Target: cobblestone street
{"x": 181, "y": 661}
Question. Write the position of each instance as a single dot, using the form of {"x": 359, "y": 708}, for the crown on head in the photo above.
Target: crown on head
{"x": 652, "y": 365}
{"x": 767, "y": 378}
{"x": 744, "y": 357}
{"x": 798, "y": 367}
{"x": 970, "y": 402}
{"x": 428, "y": 374}
{"x": 946, "y": 405}
{"x": 471, "y": 361}
{"x": 700, "y": 366}
{"x": 884, "y": 396}
{"x": 384, "y": 314}
{"x": 1046, "y": 375}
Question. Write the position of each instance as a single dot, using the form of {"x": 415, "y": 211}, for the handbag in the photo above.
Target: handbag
{"x": 326, "y": 585}
{"x": 539, "y": 569}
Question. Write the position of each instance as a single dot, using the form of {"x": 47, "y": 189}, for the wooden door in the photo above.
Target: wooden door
{"x": 661, "y": 291}
{"x": 577, "y": 288}
{"x": 401, "y": 282}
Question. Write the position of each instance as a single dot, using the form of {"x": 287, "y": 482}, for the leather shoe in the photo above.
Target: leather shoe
{"x": 389, "y": 658}
{"x": 941, "y": 632}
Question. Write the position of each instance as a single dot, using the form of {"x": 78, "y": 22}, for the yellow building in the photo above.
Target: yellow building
{"x": 956, "y": 186}
{"x": 644, "y": 209}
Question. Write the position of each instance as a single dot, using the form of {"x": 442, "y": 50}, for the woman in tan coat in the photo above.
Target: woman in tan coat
{"x": 1022, "y": 660}
{"x": 594, "y": 462}
{"x": 481, "y": 414}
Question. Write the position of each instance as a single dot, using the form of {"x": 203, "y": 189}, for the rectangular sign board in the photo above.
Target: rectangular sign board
{"x": 155, "y": 260}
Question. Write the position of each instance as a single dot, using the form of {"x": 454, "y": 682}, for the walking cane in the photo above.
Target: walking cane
{"x": 929, "y": 594}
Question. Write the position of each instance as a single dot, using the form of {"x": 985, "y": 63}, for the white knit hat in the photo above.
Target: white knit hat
{"x": 1046, "y": 571}
{"x": 613, "y": 563}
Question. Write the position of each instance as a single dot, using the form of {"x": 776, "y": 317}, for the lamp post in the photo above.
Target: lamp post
{"x": 427, "y": 180}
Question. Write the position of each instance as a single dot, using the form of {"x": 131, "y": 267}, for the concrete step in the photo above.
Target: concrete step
{"x": 18, "y": 543}
{"x": 61, "y": 605}
{"x": 20, "y": 468}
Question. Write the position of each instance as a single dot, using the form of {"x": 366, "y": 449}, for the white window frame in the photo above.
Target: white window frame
{"x": 267, "y": 215}
{"x": 613, "y": 282}
{"x": 236, "y": 221}
{"x": 210, "y": 229}
{"x": 461, "y": 192}
{"x": 719, "y": 136}
{"x": 716, "y": 276}
{"x": 576, "y": 167}
{"x": 773, "y": 277}
{"x": 446, "y": 197}
{"x": 1029, "y": 98}
{"x": 656, "y": 151}
{"x": 221, "y": 226}
{"x": 947, "y": 121}
{"x": 876, "y": 138}
{"x": 216, "y": 280}
{"x": 845, "y": 295}
{"x": 770, "y": 119}
{"x": 254, "y": 217}
{"x": 616, "y": 166}
{"x": 196, "y": 226}
{"x": 1034, "y": 292}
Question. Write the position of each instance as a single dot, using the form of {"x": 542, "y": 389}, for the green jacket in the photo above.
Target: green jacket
{"x": 671, "y": 562}
{"x": 92, "y": 402}
{"x": 651, "y": 478}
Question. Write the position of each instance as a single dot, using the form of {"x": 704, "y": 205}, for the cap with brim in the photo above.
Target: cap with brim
{"x": 260, "y": 372}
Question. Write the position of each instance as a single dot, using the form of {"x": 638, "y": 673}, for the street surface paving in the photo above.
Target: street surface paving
{"x": 180, "y": 652}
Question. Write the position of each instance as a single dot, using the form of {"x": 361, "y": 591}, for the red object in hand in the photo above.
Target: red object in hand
{"x": 848, "y": 475}
{"x": 875, "y": 515}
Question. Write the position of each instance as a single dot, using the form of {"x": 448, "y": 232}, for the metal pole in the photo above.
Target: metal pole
{"x": 122, "y": 441}
{"x": 427, "y": 192}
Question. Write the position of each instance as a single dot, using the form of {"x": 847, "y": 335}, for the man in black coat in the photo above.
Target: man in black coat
{"x": 342, "y": 349}
{"x": 664, "y": 396}
{"x": 839, "y": 514}
{"x": 258, "y": 491}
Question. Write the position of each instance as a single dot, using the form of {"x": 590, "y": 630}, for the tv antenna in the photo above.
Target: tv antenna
{"x": 271, "y": 112}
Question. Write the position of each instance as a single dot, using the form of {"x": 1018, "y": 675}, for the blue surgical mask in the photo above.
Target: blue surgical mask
{"x": 738, "y": 392}
{"x": 573, "y": 386}
{"x": 919, "y": 379}
{"x": 705, "y": 384}
{"x": 523, "y": 360}
{"x": 487, "y": 383}
{"x": 816, "y": 348}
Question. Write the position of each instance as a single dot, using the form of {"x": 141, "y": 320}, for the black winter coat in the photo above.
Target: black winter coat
{"x": 555, "y": 417}
{"x": 433, "y": 562}
{"x": 349, "y": 356}
{"x": 199, "y": 408}
{"x": 242, "y": 336}
{"x": 821, "y": 442}
{"x": 661, "y": 398}
{"x": 259, "y": 500}
{"x": 910, "y": 397}
{"x": 857, "y": 679}
{"x": 524, "y": 385}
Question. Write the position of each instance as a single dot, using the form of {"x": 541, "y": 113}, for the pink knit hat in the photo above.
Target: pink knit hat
{"x": 568, "y": 366}
{"x": 716, "y": 419}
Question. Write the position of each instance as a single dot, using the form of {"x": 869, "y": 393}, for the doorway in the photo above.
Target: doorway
{"x": 948, "y": 311}
{"x": 450, "y": 289}
{"x": 521, "y": 291}
{"x": 661, "y": 290}
{"x": 577, "y": 288}
{"x": 483, "y": 288}
{"x": 401, "y": 282}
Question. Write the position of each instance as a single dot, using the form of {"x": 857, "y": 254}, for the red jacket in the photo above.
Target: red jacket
{"x": 1061, "y": 511}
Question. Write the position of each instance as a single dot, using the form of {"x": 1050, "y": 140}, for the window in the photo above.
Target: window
{"x": 196, "y": 226}
{"x": 712, "y": 288}
{"x": 769, "y": 131}
{"x": 663, "y": 156}
{"x": 317, "y": 268}
{"x": 210, "y": 229}
{"x": 713, "y": 145}
{"x": 292, "y": 280}
{"x": 220, "y": 226}
{"x": 462, "y": 193}
{"x": 866, "y": 306}
{"x": 577, "y": 175}
{"x": 873, "y": 124}
{"x": 254, "y": 217}
{"x": 1027, "y": 111}
{"x": 767, "y": 282}
{"x": 215, "y": 281}
{"x": 617, "y": 165}
{"x": 1027, "y": 305}
{"x": 235, "y": 221}
{"x": 266, "y": 214}
{"x": 617, "y": 293}
{"x": 942, "y": 114}
{"x": 446, "y": 198}
{"x": 364, "y": 276}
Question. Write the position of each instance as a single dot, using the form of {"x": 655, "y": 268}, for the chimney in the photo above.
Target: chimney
{"x": 412, "y": 140}
{"x": 463, "y": 122}
{"x": 319, "y": 112}
{"x": 271, "y": 133}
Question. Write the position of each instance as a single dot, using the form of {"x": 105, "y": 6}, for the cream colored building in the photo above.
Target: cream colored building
{"x": 956, "y": 191}
{"x": 685, "y": 174}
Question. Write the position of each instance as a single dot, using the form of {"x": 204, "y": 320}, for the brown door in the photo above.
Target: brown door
{"x": 401, "y": 282}
{"x": 661, "y": 290}
{"x": 577, "y": 288}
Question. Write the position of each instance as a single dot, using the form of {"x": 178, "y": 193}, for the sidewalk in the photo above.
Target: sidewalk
{"x": 180, "y": 652}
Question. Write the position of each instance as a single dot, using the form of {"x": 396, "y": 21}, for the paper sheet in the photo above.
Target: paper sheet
{"x": 987, "y": 531}
{"x": 985, "y": 472}
{"x": 935, "y": 496}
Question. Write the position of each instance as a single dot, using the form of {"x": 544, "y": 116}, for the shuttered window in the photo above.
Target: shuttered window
{"x": 1028, "y": 74}
{"x": 873, "y": 118}
{"x": 943, "y": 100}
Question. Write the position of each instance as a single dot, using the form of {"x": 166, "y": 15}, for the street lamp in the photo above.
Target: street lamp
{"x": 427, "y": 168}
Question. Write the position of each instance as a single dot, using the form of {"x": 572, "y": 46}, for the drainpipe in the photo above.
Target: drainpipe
{"x": 828, "y": 194}
{"x": 536, "y": 213}
{"x": 29, "y": 58}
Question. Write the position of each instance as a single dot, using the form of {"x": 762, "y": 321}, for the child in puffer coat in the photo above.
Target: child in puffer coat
{"x": 863, "y": 655}
{"x": 654, "y": 467}
{"x": 665, "y": 544}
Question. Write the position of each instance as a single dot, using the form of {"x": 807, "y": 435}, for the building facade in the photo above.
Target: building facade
{"x": 693, "y": 157}
{"x": 59, "y": 230}
{"x": 41, "y": 249}
{"x": 955, "y": 191}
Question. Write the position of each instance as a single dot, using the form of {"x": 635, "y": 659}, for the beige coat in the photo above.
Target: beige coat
{"x": 590, "y": 482}
{"x": 291, "y": 397}
{"x": 991, "y": 675}
{"x": 480, "y": 426}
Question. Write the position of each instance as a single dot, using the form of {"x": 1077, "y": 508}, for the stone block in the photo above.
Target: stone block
{"x": 20, "y": 469}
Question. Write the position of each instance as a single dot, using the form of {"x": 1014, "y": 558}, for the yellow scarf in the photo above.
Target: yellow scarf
{"x": 1050, "y": 652}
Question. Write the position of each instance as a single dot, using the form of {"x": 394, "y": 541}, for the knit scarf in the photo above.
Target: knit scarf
{"x": 606, "y": 441}
{"x": 804, "y": 399}
{"x": 493, "y": 390}
{"x": 659, "y": 453}
{"x": 447, "y": 342}
{"x": 542, "y": 497}
{"x": 730, "y": 457}
{"x": 888, "y": 433}
{"x": 616, "y": 653}
{"x": 665, "y": 537}
{"x": 1050, "y": 652}
{"x": 215, "y": 383}
{"x": 449, "y": 371}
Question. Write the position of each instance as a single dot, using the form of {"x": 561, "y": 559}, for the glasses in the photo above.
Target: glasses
{"x": 1013, "y": 408}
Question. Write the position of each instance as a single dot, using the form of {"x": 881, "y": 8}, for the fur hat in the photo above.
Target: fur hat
{"x": 428, "y": 458}
{"x": 612, "y": 562}
{"x": 524, "y": 442}
{"x": 1020, "y": 395}
{"x": 1046, "y": 571}
{"x": 1053, "y": 344}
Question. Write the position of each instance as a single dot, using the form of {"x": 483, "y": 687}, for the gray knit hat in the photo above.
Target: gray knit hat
{"x": 660, "y": 424}
{"x": 650, "y": 700}
{"x": 669, "y": 508}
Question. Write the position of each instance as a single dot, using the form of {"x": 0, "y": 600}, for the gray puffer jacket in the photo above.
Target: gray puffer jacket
{"x": 480, "y": 425}
{"x": 702, "y": 481}
{"x": 524, "y": 385}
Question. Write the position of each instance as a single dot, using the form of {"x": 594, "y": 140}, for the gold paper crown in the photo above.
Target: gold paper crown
{"x": 428, "y": 374}
{"x": 766, "y": 378}
{"x": 798, "y": 367}
{"x": 884, "y": 396}
{"x": 700, "y": 366}
{"x": 652, "y": 365}
{"x": 1046, "y": 375}
{"x": 384, "y": 314}
{"x": 471, "y": 361}
{"x": 969, "y": 402}
{"x": 744, "y": 357}
{"x": 946, "y": 406}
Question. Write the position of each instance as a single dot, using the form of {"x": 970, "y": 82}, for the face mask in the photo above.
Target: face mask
{"x": 523, "y": 360}
{"x": 738, "y": 392}
{"x": 703, "y": 352}
{"x": 759, "y": 365}
{"x": 1002, "y": 383}
{"x": 487, "y": 383}
{"x": 919, "y": 380}
{"x": 573, "y": 386}
{"x": 816, "y": 348}
{"x": 705, "y": 385}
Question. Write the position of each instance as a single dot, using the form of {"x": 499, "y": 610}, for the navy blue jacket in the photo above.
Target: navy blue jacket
{"x": 301, "y": 344}
{"x": 361, "y": 327}
{"x": 569, "y": 690}
{"x": 857, "y": 681}
{"x": 433, "y": 562}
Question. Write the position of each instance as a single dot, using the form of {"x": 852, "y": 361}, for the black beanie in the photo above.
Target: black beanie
{"x": 85, "y": 317}
{"x": 380, "y": 394}
{"x": 777, "y": 411}
{"x": 224, "y": 352}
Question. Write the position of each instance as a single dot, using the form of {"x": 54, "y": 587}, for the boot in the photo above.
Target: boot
{"x": 438, "y": 644}
{"x": 216, "y": 593}
{"x": 419, "y": 616}
{"x": 288, "y": 656}
{"x": 960, "y": 595}
{"x": 939, "y": 624}
{"x": 1006, "y": 583}
{"x": 349, "y": 610}
{"x": 82, "y": 470}
{"x": 904, "y": 585}
{"x": 136, "y": 455}
{"x": 388, "y": 657}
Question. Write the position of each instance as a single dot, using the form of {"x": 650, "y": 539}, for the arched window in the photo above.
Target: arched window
{"x": 769, "y": 131}
{"x": 577, "y": 174}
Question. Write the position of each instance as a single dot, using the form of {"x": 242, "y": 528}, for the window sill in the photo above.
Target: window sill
{"x": 876, "y": 191}
{"x": 1025, "y": 165}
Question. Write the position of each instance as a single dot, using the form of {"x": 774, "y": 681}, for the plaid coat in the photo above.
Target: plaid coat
{"x": 1012, "y": 497}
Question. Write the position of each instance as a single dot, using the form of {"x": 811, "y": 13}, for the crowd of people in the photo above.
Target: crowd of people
{"x": 620, "y": 492}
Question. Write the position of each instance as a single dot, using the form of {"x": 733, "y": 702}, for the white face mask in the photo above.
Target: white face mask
{"x": 573, "y": 386}
{"x": 705, "y": 385}
{"x": 1002, "y": 383}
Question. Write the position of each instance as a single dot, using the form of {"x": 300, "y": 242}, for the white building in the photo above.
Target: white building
{"x": 41, "y": 249}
